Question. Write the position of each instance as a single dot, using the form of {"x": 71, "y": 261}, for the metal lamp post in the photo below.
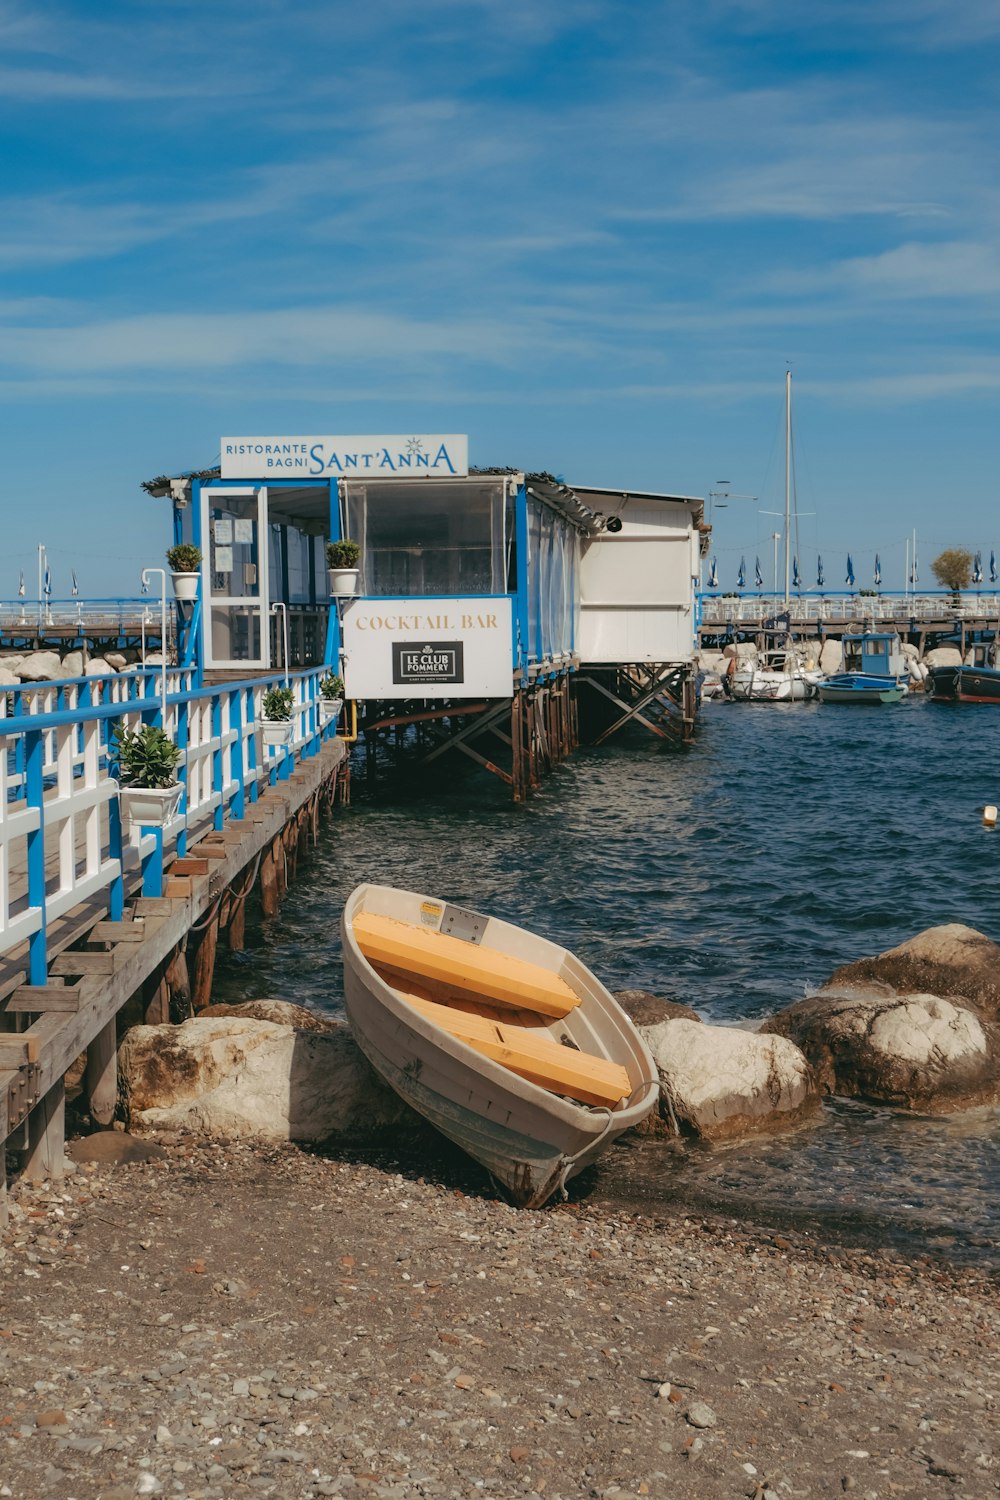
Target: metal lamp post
{"x": 147, "y": 574}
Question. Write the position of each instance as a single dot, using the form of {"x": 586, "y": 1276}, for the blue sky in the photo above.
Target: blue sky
{"x": 591, "y": 235}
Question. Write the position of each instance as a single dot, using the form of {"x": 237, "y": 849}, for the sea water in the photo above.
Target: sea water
{"x": 733, "y": 876}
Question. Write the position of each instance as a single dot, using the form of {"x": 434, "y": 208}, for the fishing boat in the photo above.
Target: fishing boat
{"x": 974, "y": 681}
{"x": 874, "y": 671}
{"x": 499, "y": 1038}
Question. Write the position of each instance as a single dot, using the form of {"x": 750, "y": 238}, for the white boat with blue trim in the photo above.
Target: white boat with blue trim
{"x": 505, "y": 1042}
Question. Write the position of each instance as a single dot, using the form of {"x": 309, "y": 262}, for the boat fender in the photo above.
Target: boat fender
{"x": 990, "y": 815}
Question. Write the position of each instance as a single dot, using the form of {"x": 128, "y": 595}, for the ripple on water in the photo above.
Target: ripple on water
{"x": 732, "y": 877}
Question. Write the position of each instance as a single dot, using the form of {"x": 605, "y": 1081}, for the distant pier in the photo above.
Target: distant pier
{"x": 925, "y": 620}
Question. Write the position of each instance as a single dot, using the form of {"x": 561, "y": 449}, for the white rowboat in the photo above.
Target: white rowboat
{"x": 501, "y": 1039}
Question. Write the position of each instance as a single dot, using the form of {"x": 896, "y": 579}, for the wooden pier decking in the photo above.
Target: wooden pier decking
{"x": 97, "y": 966}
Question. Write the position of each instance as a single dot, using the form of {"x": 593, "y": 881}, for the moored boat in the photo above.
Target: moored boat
{"x": 873, "y": 672}
{"x": 502, "y": 1040}
{"x": 974, "y": 681}
{"x": 780, "y": 678}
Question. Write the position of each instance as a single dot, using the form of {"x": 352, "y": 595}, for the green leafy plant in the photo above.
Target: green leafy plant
{"x": 331, "y": 686}
{"x": 343, "y": 554}
{"x": 147, "y": 757}
{"x": 278, "y": 702}
{"x": 868, "y": 593}
{"x": 184, "y": 558}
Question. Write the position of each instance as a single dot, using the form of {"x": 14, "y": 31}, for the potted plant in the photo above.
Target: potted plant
{"x": 342, "y": 566}
{"x": 147, "y": 761}
{"x": 277, "y": 709}
{"x": 331, "y": 698}
{"x": 185, "y": 561}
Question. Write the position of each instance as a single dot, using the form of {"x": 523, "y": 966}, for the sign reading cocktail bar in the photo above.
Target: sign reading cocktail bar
{"x": 423, "y": 648}
{"x": 406, "y": 456}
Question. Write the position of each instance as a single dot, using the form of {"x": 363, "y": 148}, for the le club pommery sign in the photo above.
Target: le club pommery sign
{"x": 423, "y": 648}
{"x": 392, "y": 456}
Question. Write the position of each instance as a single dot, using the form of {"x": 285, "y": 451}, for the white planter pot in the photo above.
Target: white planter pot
{"x": 150, "y": 806}
{"x": 277, "y": 731}
{"x": 343, "y": 581}
{"x": 185, "y": 585}
{"x": 329, "y": 710}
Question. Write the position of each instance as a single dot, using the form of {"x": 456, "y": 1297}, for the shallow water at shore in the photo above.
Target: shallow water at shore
{"x": 732, "y": 876}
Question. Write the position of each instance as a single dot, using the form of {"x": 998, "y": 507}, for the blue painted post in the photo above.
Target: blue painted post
{"x": 219, "y": 814}
{"x": 182, "y": 742}
{"x": 521, "y": 538}
{"x": 38, "y": 964}
{"x": 116, "y": 895}
{"x": 152, "y": 864}
{"x": 251, "y": 749}
{"x": 238, "y": 806}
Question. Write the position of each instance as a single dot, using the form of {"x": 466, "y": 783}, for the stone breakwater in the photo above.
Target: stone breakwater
{"x": 229, "y": 1320}
{"x": 915, "y": 1028}
{"x": 50, "y": 666}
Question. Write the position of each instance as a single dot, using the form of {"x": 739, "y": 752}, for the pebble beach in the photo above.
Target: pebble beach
{"x": 227, "y": 1320}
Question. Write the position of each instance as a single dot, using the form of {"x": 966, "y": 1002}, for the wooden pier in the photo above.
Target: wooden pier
{"x": 120, "y": 955}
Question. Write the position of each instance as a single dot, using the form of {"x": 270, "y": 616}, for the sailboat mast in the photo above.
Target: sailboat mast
{"x": 788, "y": 480}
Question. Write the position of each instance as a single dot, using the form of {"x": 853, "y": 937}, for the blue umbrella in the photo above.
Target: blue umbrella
{"x": 850, "y": 571}
{"x": 713, "y": 576}
{"x": 819, "y": 572}
{"x": 758, "y": 575}
{"x": 977, "y": 568}
{"x": 878, "y": 571}
{"x": 20, "y": 587}
{"x": 741, "y": 578}
{"x": 75, "y": 590}
{"x": 993, "y": 567}
{"x": 795, "y": 573}
{"x": 48, "y": 583}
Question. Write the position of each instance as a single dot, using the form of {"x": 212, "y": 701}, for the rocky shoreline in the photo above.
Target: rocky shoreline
{"x": 238, "y": 1319}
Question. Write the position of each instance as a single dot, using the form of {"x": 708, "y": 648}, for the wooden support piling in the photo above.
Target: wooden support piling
{"x": 179, "y": 984}
{"x": 202, "y": 968}
{"x": 46, "y": 1153}
{"x": 101, "y": 1081}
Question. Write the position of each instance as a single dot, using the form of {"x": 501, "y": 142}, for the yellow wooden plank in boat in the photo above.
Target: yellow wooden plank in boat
{"x": 531, "y": 1054}
{"x": 466, "y": 967}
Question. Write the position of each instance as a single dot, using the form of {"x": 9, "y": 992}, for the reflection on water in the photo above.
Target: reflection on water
{"x": 732, "y": 876}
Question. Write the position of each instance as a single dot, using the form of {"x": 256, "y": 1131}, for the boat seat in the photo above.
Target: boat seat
{"x": 465, "y": 968}
{"x": 531, "y": 1054}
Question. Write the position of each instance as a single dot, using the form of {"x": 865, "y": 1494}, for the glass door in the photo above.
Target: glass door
{"x": 235, "y": 578}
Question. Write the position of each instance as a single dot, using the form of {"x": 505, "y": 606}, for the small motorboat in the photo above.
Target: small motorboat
{"x": 874, "y": 671}
{"x": 501, "y": 1039}
{"x": 780, "y": 678}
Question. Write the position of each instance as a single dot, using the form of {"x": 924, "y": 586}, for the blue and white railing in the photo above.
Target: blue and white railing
{"x": 61, "y": 828}
{"x": 892, "y": 608}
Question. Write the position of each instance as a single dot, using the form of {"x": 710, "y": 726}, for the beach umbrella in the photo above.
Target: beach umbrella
{"x": 819, "y": 572}
{"x": 914, "y": 575}
{"x": 878, "y": 571}
{"x": 850, "y": 571}
{"x": 75, "y": 591}
{"x": 144, "y": 585}
{"x": 713, "y": 576}
{"x": 741, "y": 577}
{"x": 20, "y": 587}
{"x": 795, "y": 573}
{"x": 757, "y": 574}
{"x": 977, "y": 568}
{"x": 48, "y": 583}
{"x": 993, "y": 567}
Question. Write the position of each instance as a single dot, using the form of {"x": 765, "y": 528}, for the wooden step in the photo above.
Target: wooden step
{"x": 465, "y": 967}
{"x": 18, "y": 1048}
{"x": 532, "y": 1055}
{"x": 118, "y": 932}
{"x": 82, "y": 963}
{"x": 37, "y": 999}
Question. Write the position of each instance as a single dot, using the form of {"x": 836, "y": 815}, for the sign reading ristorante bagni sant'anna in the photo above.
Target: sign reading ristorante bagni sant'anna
{"x": 384, "y": 457}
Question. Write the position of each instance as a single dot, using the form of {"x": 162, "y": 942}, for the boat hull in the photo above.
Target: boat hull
{"x": 964, "y": 684}
{"x": 530, "y": 1140}
{"x": 770, "y": 687}
{"x": 862, "y": 688}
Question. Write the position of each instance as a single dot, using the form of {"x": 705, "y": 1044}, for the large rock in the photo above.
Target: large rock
{"x": 73, "y": 663}
{"x": 944, "y": 656}
{"x": 646, "y": 1009}
{"x": 281, "y": 1012}
{"x": 40, "y": 666}
{"x": 98, "y": 667}
{"x": 231, "y": 1077}
{"x": 913, "y": 1051}
{"x": 8, "y": 678}
{"x": 719, "y": 1083}
{"x": 831, "y": 658}
{"x": 948, "y": 960}
{"x": 115, "y": 660}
